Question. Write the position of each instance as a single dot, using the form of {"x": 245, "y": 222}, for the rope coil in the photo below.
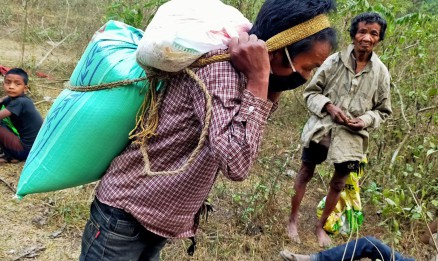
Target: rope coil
{"x": 202, "y": 137}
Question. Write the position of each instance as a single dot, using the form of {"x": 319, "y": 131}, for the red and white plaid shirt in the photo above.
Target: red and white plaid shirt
{"x": 167, "y": 205}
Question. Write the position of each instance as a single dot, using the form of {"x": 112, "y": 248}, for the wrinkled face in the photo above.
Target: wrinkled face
{"x": 367, "y": 37}
{"x": 304, "y": 63}
{"x": 14, "y": 85}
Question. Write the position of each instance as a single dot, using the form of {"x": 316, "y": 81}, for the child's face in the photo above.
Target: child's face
{"x": 14, "y": 85}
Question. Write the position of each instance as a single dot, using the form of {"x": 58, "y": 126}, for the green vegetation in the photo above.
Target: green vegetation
{"x": 400, "y": 187}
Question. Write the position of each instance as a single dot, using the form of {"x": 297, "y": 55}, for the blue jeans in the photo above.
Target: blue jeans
{"x": 111, "y": 234}
{"x": 364, "y": 249}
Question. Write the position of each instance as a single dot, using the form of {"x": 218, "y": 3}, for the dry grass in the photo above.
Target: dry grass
{"x": 233, "y": 232}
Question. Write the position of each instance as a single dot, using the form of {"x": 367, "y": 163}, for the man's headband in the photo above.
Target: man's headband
{"x": 280, "y": 40}
{"x": 298, "y": 32}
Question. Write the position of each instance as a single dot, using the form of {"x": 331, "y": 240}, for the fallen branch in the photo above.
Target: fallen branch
{"x": 395, "y": 154}
{"x": 51, "y": 50}
{"x": 412, "y": 45}
{"x": 24, "y": 33}
{"x": 8, "y": 33}
{"x": 8, "y": 185}
{"x": 401, "y": 105}
{"x": 30, "y": 252}
{"x": 428, "y": 108}
{"x": 42, "y": 101}
{"x": 66, "y": 16}
{"x": 55, "y": 81}
{"x": 50, "y": 88}
{"x": 58, "y": 233}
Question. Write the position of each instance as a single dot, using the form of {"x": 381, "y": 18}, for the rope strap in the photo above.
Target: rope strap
{"x": 280, "y": 40}
{"x": 105, "y": 86}
{"x": 202, "y": 138}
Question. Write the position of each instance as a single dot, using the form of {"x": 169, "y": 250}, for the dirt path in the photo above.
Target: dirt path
{"x": 29, "y": 228}
{"x": 25, "y": 227}
{"x": 48, "y": 226}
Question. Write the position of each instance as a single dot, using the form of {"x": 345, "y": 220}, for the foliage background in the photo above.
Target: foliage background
{"x": 399, "y": 189}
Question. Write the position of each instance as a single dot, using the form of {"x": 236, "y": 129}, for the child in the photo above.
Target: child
{"x": 17, "y": 137}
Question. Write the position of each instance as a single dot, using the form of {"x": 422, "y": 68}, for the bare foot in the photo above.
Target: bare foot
{"x": 289, "y": 256}
{"x": 323, "y": 239}
{"x": 292, "y": 232}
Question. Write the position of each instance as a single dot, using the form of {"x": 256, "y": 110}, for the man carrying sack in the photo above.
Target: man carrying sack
{"x": 154, "y": 189}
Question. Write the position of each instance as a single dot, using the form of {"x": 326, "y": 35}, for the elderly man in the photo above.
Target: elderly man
{"x": 348, "y": 95}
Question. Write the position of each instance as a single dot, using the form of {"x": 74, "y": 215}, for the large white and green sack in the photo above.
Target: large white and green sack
{"x": 84, "y": 131}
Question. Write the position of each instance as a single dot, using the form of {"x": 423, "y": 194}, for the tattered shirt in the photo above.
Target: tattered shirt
{"x": 364, "y": 95}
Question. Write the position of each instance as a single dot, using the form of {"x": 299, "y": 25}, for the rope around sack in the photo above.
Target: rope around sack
{"x": 105, "y": 86}
{"x": 202, "y": 137}
{"x": 276, "y": 42}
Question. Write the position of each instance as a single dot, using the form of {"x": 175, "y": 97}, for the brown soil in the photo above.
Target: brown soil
{"x": 48, "y": 226}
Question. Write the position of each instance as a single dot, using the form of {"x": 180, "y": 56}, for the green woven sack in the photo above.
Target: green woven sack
{"x": 84, "y": 131}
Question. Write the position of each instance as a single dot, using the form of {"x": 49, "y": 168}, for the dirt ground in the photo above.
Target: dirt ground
{"x": 27, "y": 229}
{"x": 48, "y": 226}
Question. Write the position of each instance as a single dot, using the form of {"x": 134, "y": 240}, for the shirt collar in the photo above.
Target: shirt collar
{"x": 347, "y": 58}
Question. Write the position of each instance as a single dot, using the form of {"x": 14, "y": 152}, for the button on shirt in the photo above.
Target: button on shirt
{"x": 167, "y": 205}
{"x": 364, "y": 95}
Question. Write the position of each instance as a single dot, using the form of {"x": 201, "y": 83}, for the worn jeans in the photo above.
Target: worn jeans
{"x": 112, "y": 234}
{"x": 367, "y": 247}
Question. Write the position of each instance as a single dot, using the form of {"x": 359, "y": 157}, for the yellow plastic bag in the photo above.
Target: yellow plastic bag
{"x": 347, "y": 216}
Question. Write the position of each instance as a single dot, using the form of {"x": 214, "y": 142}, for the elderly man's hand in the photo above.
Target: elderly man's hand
{"x": 249, "y": 55}
{"x": 336, "y": 113}
{"x": 356, "y": 124}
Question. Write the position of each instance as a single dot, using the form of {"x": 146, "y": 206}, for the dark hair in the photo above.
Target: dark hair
{"x": 368, "y": 18}
{"x": 327, "y": 35}
{"x": 20, "y": 72}
{"x": 276, "y": 16}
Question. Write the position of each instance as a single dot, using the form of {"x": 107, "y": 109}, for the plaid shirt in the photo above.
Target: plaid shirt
{"x": 167, "y": 205}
